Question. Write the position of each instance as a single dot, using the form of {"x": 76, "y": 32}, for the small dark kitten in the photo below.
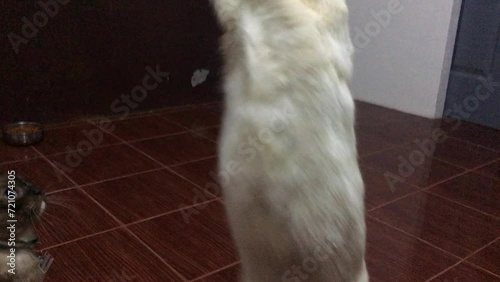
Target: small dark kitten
{"x": 27, "y": 206}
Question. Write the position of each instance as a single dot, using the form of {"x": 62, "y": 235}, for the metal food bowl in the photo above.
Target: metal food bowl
{"x": 22, "y": 133}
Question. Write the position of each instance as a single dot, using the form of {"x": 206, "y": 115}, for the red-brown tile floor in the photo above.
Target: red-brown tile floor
{"x": 138, "y": 200}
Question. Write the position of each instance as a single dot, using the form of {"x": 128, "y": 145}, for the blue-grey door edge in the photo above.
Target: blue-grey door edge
{"x": 474, "y": 87}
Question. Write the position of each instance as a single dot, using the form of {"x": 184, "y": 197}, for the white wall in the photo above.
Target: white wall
{"x": 403, "y": 58}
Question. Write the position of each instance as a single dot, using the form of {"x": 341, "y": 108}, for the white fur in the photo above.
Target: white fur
{"x": 296, "y": 188}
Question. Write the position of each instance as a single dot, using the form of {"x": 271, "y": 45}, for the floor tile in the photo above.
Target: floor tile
{"x": 227, "y": 275}
{"x": 392, "y": 255}
{"x": 41, "y": 173}
{"x": 201, "y": 246}
{"x": 141, "y": 196}
{"x": 379, "y": 191}
{"x": 447, "y": 225}
{"x": 143, "y": 127}
{"x": 398, "y": 132}
{"x": 210, "y": 133}
{"x": 196, "y": 241}
{"x": 366, "y": 112}
{"x": 488, "y": 258}
{"x": 11, "y": 153}
{"x": 410, "y": 165}
{"x": 177, "y": 149}
{"x": 196, "y": 119}
{"x": 70, "y": 215}
{"x": 464, "y": 154}
{"x": 477, "y": 134}
{"x": 368, "y": 144}
{"x": 491, "y": 170}
{"x": 103, "y": 163}
{"x": 466, "y": 273}
{"x": 202, "y": 173}
{"x": 472, "y": 190}
{"x": 81, "y": 138}
{"x": 77, "y": 121}
{"x": 112, "y": 256}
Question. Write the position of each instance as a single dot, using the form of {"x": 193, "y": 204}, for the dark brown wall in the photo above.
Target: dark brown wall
{"x": 92, "y": 51}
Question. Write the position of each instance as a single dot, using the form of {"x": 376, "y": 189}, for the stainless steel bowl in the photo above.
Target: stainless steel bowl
{"x": 22, "y": 133}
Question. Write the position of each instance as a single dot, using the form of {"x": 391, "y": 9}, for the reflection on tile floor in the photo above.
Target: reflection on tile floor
{"x": 142, "y": 204}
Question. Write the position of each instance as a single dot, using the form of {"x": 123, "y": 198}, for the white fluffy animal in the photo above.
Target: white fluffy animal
{"x": 292, "y": 186}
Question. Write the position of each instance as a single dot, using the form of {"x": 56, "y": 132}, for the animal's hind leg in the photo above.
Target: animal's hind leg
{"x": 363, "y": 277}
{"x": 246, "y": 276}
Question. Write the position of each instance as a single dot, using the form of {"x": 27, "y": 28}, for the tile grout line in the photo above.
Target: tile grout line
{"x": 192, "y": 107}
{"x": 432, "y": 185}
{"x": 471, "y": 170}
{"x": 473, "y": 143}
{"x": 463, "y": 141}
{"x": 463, "y": 167}
{"x": 155, "y": 254}
{"x": 168, "y": 167}
{"x": 68, "y": 125}
{"x": 483, "y": 166}
{"x": 61, "y": 190}
{"x": 126, "y": 226}
{"x": 93, "y": 148}
{"x": 58, "y": 169}
{"x": 480, "y": 268}
{"x": 430, "y": 158}
{"x": 122, "y": 227}
{"x": 82, "y": 238}
{"x": 38, "y": 156}
{"x": 424, "y": 190}
{"x": 413, "y": 236}
{"x": 135, "y": 115}
{"x": 170, "y": 212}
{"x": 463, "y": 205}
{"x": 106, "y": 180}
{"x": 448, "y": 162}
{"x": 120, "y": 177}
{"x": 120, "y": 223}
{"x": 138, "y": 150}
{"x": 152, "y": 137}
{"x": 128, "y": 175}
{"x": 189, "y": 107}
{"x": 197, "y": 133}
{"x": 394, "y": 200}
{"x": 445, "y": 180}
{"x": 433, "y": 157}
{"x": 216, "y": 271}
{"x": 162, "y": 165}
{"x": 123, "y": 141}
{"x": 385, "y": 149}
{"x": 193, "y": 161}
{"x": 85, "y": 123}
{"x": 196, "y": 185}
{"x": 463, "y": 260}
{"x": 194, "y": 131}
